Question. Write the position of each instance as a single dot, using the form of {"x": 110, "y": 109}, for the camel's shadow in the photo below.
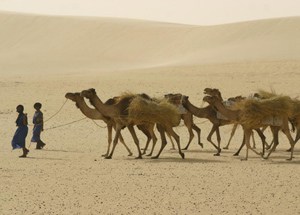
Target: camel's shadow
{"x": 166, "y": 159}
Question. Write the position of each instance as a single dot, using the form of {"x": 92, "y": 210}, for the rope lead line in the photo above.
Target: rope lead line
{"x": 58, "y": 126}
{"x": 57, "y": 111}
{"x": 98, "y": 125}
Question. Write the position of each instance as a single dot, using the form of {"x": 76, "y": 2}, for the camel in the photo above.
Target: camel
{"x": 147, "y": 129}
{"x": 127, "y": 112}
{"x": 254, "y": 114}
{"x": 229, "y": 102}
{"x": 295, "y": 119}
{"x": 96, "y": 115}
{"x": 186, "y": 116}
{"x": 209, "y": 113}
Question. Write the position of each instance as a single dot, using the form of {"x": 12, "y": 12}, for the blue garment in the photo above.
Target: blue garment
{"x": 20, "y": 135}
{"x": 38, "y": 126}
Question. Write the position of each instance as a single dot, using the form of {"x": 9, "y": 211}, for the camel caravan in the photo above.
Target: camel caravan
{"x": 255, "y": 113}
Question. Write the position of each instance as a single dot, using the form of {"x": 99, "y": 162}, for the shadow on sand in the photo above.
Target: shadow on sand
{"x": 45, "y": 158}
{"x": 60, "y": 150}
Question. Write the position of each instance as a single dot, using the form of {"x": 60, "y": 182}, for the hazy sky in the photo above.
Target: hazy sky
{"x": 200, "y": 12}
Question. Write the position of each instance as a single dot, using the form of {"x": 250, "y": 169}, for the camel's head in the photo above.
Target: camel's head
{"x": 210, "y": 99}
{"x": 72, "y": 96}
{"x": 88, "y": 93}
{"x": 236, "y": 99}
{"x": 212, "y": 92}
{"x": 145, "y": 96}
{"x": 184, "y": 100}
{"x": 174, "y": 98}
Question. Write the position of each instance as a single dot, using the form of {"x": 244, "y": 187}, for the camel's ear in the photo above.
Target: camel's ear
{"x": 93, "y": 90}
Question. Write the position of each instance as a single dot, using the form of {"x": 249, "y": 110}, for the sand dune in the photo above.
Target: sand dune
{"x": 45, "y": 43}
{"x": 42, "y": 58}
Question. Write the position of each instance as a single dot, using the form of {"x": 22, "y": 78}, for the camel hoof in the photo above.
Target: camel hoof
{"x": 139, "y": 157}
{"x": 218, "y": 154}
{"x": 105, "y": 155}
{"x": 184, "y": 148}
{"x": 236, "y": 154}
{"x": 182, "y": 155}
{"x": 130, "y": 154}
{"x": 225, "y": 147}
{"x": 289, "y": 150}
{"x": 149, "y": 155}
{"x": 289, "y": 159}
{"x": 155, "y": 157}
{"x": 201, "y": 144}
{"x": 108, "y": 157}
{"x": 244, "y": 159}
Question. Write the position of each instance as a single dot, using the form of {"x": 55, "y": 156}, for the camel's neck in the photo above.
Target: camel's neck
{"x": 87, "y": 111}
{"x": 230, "y": 114}
{"x": 105, "y": 110}
{"x": 199, "y": 112}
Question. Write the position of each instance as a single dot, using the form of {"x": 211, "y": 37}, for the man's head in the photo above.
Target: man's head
{"x": 37, "y": 106}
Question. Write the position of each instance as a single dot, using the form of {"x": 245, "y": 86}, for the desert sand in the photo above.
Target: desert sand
{"x": 43, "y": 57}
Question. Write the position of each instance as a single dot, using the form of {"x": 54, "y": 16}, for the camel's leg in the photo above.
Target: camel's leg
{"x": 262, "y": 136}
{"x": 109, "y": 139}
{"x": 191, "y": 134}
{"x": 136, "y": 140}
{"x": 247, "y": 134}
{"x": 242, "y": 145}
{"x": 188, "y": 122}
{"x": 263, "y": 139}
{"x": 297, "y": 138}
{"x": 287, "y": 132}
{"x": 163, "y": 140}
{"x": 154, "y": 140}
{"x": 117, "y": 135}
{"x": 198, "y": 131}
{"x": 148, "y": 135}
{"x": 172, "y": 142}
{"x": 231, "y": 135}
{"x": 213, "y": 129}
{"x": 253, "y": 140}
{"x": 270, "y": 145}
{"x": 219, "y": 141}
{"x": 120, "y": 138}
{"x": 177, "y": 139}
{"x": 275, "y": 131}
{"x": 124, "y": 144}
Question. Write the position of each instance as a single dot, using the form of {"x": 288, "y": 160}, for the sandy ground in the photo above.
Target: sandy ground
{"x": 69, "y": 176}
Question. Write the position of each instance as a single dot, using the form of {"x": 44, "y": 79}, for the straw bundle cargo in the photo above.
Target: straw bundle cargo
{"x": 296, "y": 109}
{"x": 266, "y": 95}
{"x": 150, "y": 111}
{"x": 254, "y": 113}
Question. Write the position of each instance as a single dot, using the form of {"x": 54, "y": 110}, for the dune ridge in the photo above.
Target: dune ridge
{"x": 46, "y": 43}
